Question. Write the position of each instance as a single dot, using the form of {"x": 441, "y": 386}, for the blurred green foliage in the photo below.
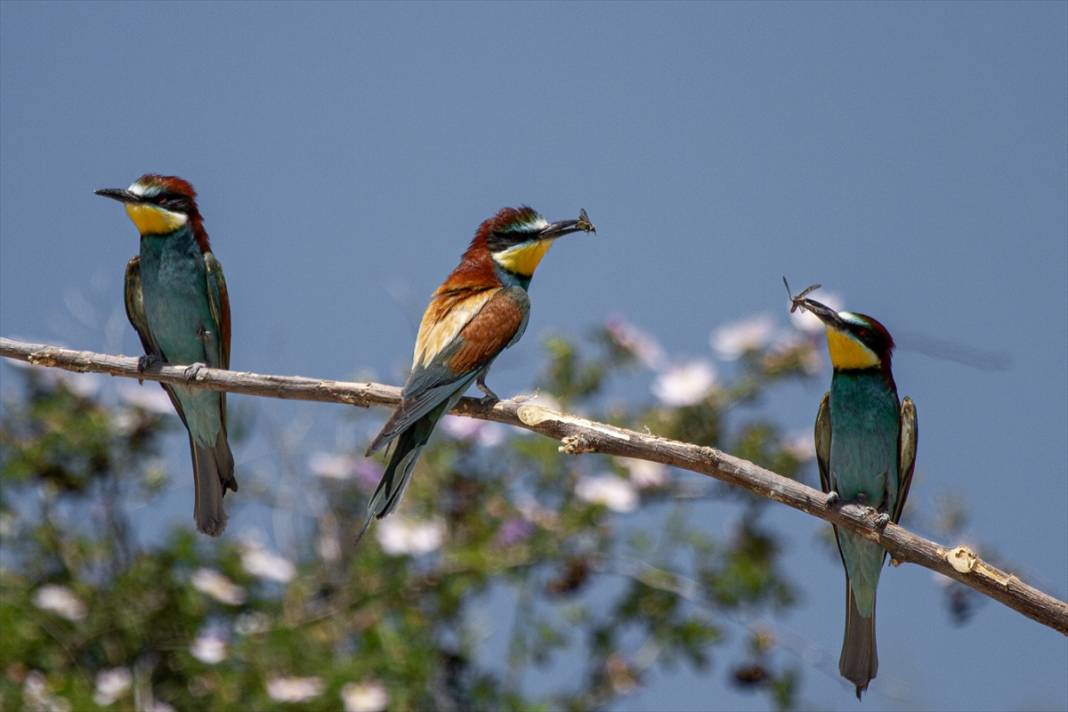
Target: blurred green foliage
{"x": 610, "y": 576}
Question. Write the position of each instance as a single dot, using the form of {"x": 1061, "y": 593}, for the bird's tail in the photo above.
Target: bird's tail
{"x": 860, "y": 660}
{"x": 401, "y": 463}
{"x": 213, "y": 474}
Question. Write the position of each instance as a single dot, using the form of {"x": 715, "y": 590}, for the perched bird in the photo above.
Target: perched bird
{"x": 176, "y": 299}
{"x": 478, "y": 311}
{"x": 866, "y": 450}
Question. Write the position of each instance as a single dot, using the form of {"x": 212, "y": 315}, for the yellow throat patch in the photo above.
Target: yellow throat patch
{"x": 151, "y": 220}
{"x": 523, "y": 259}
{"x": 848, "y": 353}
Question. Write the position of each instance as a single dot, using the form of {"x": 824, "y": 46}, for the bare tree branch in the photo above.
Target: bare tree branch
{"x": 578, "y": 435}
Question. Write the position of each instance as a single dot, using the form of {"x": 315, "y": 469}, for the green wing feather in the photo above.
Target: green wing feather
{"x": 823, "y": 441}
{"x": 219, "y": 301}
{"x": 906, "y": 455}
{"x": 135, "y": 306}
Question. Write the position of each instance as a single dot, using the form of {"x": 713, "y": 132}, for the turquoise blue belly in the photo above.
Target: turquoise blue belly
{"x": 865, "y": 426}
{"x": 174, "y": 286}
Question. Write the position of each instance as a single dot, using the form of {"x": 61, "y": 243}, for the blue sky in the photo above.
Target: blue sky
{"x": 911, "y": 157}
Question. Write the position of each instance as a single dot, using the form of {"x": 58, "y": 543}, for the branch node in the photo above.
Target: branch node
{"x": 962, "y": 559}
{"x": 575, "y": 445}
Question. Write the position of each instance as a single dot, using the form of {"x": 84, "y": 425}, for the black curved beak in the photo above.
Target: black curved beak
{"x": 823, "y": 312}
{"x": 120, "y": 194}
{"x": 566, "y": 227}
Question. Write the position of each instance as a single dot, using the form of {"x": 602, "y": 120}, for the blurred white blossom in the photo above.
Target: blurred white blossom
{"x": 209, "y": 648}
{"x": 484, "y": 433}
{"x": 160, "y": 706}
{"x": 364, "y": 697}
{"x": 218, "y": 587}
{"x": 643, "y": 473}
{"x": 630, "y": 338}
{"x": 613, "y": 492}
{"x": 61, "y": 601}
{"x": 294, "y": 689}
{"x": 265, "y": 564}
{"x": 149, "y": 398}
{"x": 800, "y": 445}
{"x": 81, "y": 384}
{"x": 37, "y": 697}
{"x": 333, "y": 466}
{"x": 399, "y": 534}
{"x": 111, "y": 685}
{"x": 685, "y": 384}
{"x": 732, "y": 340}
{"x": 251, "y": 623}
{"x": 806, "y": 321}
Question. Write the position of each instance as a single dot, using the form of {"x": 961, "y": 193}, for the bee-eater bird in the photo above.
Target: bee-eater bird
{"x": 176, "y": 299}
{"x": 478, "y": 311}
{"x": 866, "y": 451}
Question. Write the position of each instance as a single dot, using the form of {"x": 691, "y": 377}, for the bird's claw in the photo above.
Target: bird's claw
{"x": 490, "y": 396}
{"x": 147, "y": 362}
{"x": 193, "y": 370}
{"x": 832, "y": 498}
{"x": 881, "y": 520}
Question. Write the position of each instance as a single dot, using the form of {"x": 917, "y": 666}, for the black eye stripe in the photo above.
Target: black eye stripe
{"x": 502, "y": 240}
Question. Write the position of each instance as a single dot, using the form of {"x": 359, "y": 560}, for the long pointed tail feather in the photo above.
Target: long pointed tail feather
{"x": 213, "y": 474}
{"x": 402, "y": 461}
{"x": 860, "y": 659}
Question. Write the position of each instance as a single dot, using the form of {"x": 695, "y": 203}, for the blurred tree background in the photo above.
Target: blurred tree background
{"x": 93, "y": 618}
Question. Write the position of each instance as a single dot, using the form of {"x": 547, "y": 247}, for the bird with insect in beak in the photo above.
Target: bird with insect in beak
{"x": 176, "y": 300}
{"x": 866, "y": 451}
{"x": 478, "y": 311}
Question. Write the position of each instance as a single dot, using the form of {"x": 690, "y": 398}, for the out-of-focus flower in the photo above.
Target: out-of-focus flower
{"x": 251, "y": 624}
{"x": 364, "y": 697}
{"x": 800, "y": 445}
{"x": 333, "y": 466}
{"x": 218, "y": 586}
{"x": 644, "y": 474}
{"x": 209, "y": 648}
{"x": 685, "y": 384}
{"x": 265, "y": 564}
{"x": 630, "y": 338}
{"x": 147, "y": 398}
{"x": 533, "y": 511}
{"x": 613, "y": 492}
{"x": 160, "y": 706}
{"x": 467, "y": 429}
{"x": 294, "y": 689}
{"x": 368, "y": 473}
{"x": 732, "y": 340}
{"x": 80, "y": 384}
{"x": 399, "y": 535}
{"x": 513, "y": 531}
{"x": 620, "y": 675}
{"x": 111, "y": 685}
{"x": 61, "y": 601}
{"x": 37, "y": 697}
{"x": 806, "y": 321}
{"x": 329, "y": 543}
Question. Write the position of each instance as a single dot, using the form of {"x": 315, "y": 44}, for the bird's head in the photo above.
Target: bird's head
{"x": 854, "y": 341}
{"x": 517, "y": 238}
{"x": 158, "y": 205}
